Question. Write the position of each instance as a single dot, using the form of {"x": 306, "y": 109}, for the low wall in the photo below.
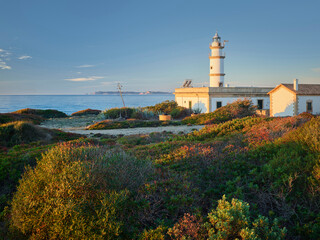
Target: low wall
{"x": 164, "y": 117}
{"x": 263, "y": 112}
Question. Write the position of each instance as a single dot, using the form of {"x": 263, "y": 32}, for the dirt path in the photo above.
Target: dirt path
{"x": 78, "y": 125}
{"x": 134, "y": 131}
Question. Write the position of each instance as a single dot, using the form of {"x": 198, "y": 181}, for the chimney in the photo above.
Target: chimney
{"x": 295, "y": 84}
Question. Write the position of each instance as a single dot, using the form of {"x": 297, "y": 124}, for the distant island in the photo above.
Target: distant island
{"x": 129, "y": 93}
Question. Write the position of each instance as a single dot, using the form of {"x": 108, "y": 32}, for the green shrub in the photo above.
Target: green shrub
{"x": 138, "y": 115}
{"x": 133, "y": 140}
{"x": 14, "y": 117}
{"x": 233, "y": 221}
{"x": 179, "y": 112}
{"x": 86, "y": 112}
{"x": 22, "y": 132}
{"x": 114, "y": 113}
{"x": 154, "y": 234}
{"x": 135, "y": 113}
{"x": 76, "y": 192}
{"x": 165, "y": 107}
{"x": 48, "y": 113}
{"x": 5, "y": 118}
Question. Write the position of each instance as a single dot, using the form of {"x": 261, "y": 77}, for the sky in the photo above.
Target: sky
{"x": 82, "y": 46}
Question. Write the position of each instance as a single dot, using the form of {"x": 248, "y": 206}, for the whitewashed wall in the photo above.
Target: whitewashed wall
{"x": 184, "y": 102}
{"x": 302, "y": 104}
{"x": 227, "y": 100}
{"x": 283, "y": 103}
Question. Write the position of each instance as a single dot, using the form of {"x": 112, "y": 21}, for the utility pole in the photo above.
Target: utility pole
{"x": 119, "y": 88}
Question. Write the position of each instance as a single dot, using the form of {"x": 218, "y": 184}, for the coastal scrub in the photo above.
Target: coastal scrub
{"x": 48, "y": 113}
{"x": 80, "y": 190}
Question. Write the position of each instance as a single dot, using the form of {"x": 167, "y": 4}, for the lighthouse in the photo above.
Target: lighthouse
{"x": 216, "y": 62}
{"x": 208, "y": 99}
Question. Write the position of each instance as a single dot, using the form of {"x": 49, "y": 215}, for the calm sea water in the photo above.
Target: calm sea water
{"x": 73, "y": 103}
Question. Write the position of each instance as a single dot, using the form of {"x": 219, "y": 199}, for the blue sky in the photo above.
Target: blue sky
{"x": 78, "y": 47}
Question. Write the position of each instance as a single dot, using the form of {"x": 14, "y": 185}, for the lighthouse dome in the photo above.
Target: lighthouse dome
{"x": 216, "y": 38}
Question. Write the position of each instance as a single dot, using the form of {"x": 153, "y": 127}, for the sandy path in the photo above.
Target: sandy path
{"x": 134, "y": 131}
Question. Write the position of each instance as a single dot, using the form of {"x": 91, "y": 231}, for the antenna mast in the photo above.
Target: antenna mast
{"x": 119, "y": 88}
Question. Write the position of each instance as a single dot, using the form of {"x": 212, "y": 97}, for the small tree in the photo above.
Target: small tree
{"x": 232, "y": 221}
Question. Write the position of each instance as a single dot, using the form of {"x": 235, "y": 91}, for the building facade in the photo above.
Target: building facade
{"x": 293, "y": 99}
{"x": 208, "y": 99}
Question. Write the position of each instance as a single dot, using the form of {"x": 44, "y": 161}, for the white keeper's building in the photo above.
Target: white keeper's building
{"x": 293, "y": 99}
{"x": 208, "y": 99}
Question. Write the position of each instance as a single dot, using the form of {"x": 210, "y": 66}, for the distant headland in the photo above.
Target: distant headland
{"x": 130, "y": 93}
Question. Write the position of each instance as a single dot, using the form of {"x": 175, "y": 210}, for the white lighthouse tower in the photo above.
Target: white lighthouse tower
{"x": 216, "y": 62}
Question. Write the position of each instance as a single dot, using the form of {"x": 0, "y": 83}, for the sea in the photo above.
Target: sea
{"x": 73, "y": 103}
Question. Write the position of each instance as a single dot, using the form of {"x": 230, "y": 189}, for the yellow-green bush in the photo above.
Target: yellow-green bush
{"x": 76, "y": 191}
{"x": 309, "y": 135}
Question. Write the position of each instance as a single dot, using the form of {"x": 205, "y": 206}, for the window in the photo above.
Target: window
{"x": 190, "y": 104}
{"x": 309, "y": 106}
{"x": 219, "y": 105}
{"x": 211, "y": 67}
{"x": 260, "y": 104}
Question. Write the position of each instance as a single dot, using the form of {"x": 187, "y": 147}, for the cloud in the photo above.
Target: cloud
{"x": 85, "y": 66}
{"x": 24, "y": 57}
{"x": 84, "y": 79}
{"x": 3, "y": 65}
{"x": 4, "y": 53}
{"x": 3, "y": 59}
{"x": 316, "y": 69}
